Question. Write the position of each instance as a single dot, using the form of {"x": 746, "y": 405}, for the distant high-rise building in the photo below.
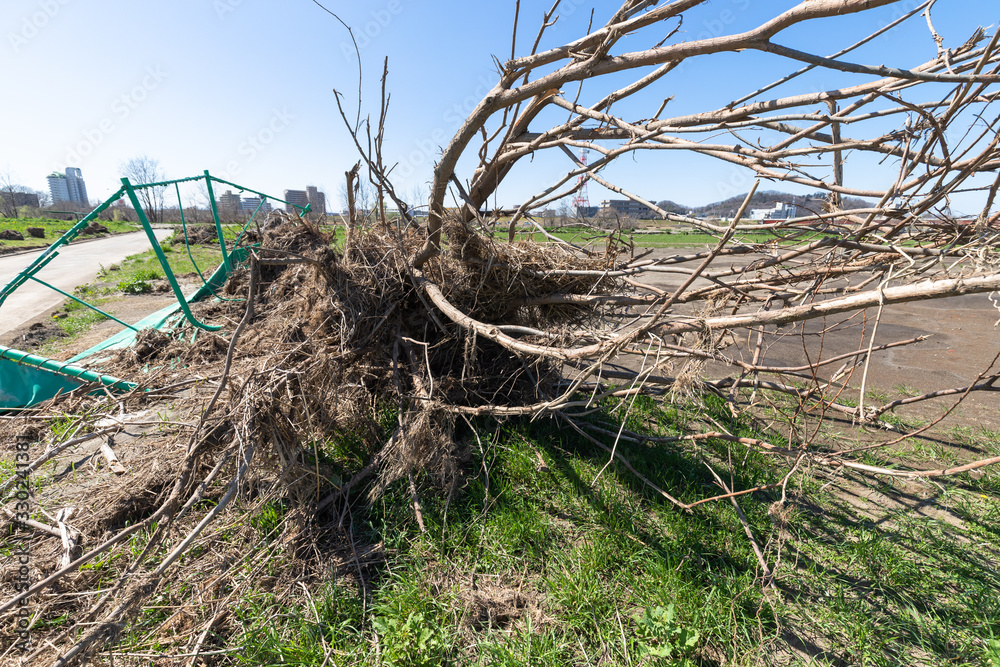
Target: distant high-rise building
{"x": 250, "y": 204}
{"x": 229, "y": 201}
{"x": 297, "y": 197}
{"x": 317, "y": 199}
{"x": 77, "y": 188}
{"x": 311, "y": 197}
{"x": 58, "y": 187}
{"x": 68, "y": 187}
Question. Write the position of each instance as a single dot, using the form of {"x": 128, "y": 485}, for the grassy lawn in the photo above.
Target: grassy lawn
{"x": 132, "y": 276}
{"x": 545, "y": 555}
{"x": 53, "y": 230}
{"x": 146, "y": 266}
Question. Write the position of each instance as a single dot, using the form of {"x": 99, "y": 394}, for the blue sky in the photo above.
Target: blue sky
{"x": 244, "y": 87}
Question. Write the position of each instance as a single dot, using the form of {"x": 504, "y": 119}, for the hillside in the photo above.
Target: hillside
{"x": 727, "y": 207}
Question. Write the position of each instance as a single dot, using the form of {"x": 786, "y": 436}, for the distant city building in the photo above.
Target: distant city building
{"x": 233, "y": 203}
{"x": 625, "y": 208}
{"x": 229, "y": 201}
{"x": 587, "y": 211}
{"x": 250, "y": 204}
{"x": 780, "y": 211}
{"x": 297, "y": 197}
{"x": 311, "y": 197}
{"x": 77, "y": 188}
{"x": 316, "y": 199}
{"x": 68, "y": 187}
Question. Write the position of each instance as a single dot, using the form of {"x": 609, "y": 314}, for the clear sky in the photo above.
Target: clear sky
{"x": 244, "y": 88}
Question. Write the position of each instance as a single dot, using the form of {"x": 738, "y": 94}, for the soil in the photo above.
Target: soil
{"x": 31, "y": 337}
{"x": 11, "y": 250}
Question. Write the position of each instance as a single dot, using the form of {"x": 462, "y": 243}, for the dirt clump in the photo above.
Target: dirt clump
{"x": 196, "y": 235}
{"x": 94, "y": 228}
{"x": 37, "y": 335}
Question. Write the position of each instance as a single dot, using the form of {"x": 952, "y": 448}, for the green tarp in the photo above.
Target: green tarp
{"x": 27, "y": 379}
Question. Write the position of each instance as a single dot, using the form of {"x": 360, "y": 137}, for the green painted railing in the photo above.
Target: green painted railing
{"x": 129, "y": 190}
{"x": 26, "y": 379}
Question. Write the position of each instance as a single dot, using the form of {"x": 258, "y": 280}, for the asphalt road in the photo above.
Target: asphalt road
{"x": 963, "y": 332}
{"x": 77, "y": 264}
{"x": 963, "y": 340}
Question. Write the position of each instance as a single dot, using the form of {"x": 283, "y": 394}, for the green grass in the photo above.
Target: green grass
{"x": 145, "y": 266}
{"x": 543, "y": 554}
{"x": 900, "y": 590}
{"x": 539, "y": 558}
{"x": 875, "y": 394}
{"x": 666, "y": 239}
{"x": 79, "y": 318}
{"x": 134, "y": 275}
{"x": 53, "y": 230}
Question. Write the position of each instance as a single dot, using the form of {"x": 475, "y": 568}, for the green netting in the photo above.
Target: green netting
{"x": 26, "y": 379}
{"x": 165, "y": 319}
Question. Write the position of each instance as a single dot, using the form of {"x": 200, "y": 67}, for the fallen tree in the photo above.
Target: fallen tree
{"x": 413, "y": 331}
{"x": 904, "y": 247}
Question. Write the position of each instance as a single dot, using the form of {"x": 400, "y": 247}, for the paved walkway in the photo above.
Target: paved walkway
{"x": 77, "y": 264}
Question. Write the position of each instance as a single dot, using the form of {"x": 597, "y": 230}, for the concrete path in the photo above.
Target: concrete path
{"x": 77, "y": 264}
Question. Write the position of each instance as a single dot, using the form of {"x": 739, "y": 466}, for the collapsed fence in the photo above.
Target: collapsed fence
{"x": 26, "y": 379}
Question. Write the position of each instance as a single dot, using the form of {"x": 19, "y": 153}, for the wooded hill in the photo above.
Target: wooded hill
{"x": 727, "y": 207}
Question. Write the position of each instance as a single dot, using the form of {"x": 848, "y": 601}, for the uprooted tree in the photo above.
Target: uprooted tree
{"x": 832, "y": 262}
{"x": 442, "y": 323}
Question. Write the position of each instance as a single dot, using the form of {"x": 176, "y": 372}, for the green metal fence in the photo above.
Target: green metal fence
{"x": 26, "y": 379}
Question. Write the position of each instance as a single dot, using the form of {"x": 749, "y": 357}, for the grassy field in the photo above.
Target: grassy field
{"x": 146, "y": 266}
{"x": 134, "y": 275}
{"x": 544, "y": 553}
{"x": 53, "y": 230}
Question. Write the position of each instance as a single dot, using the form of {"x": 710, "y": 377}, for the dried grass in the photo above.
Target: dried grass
{"x": 329, "y": 348}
